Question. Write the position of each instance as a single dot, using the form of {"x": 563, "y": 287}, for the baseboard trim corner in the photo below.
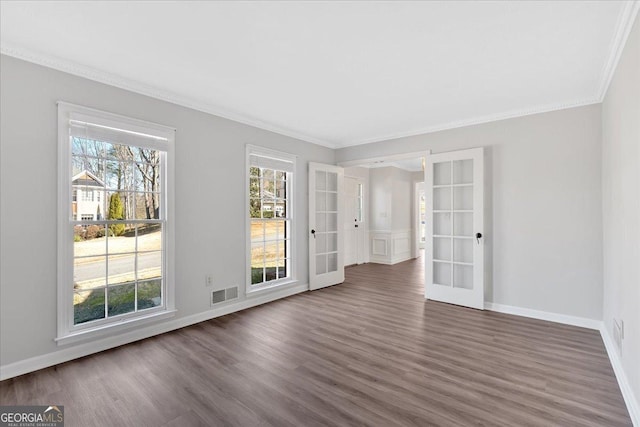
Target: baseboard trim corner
{"x": 582, "y": 322}
{"x": 623, "y": 382}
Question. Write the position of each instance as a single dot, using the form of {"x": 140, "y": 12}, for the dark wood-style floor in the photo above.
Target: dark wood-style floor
{"x": 370, "y": 351}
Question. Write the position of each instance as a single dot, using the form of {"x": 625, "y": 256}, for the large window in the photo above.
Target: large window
{"x": 116, "y": 234}
{"x": 270, "y": 182}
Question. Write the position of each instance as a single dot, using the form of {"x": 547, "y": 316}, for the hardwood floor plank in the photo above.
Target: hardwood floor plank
{"x": 370, "y": 351}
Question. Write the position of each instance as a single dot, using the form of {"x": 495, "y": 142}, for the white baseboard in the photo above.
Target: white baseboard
{"x": 627, "y": 392}
{"x": 66, "y": 354}
{"x": 386, "y": 261}
{"x": 582, "y": 322}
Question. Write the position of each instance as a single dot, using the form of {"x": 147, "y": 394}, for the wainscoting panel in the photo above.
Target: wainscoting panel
{"x": 390, "y": 247}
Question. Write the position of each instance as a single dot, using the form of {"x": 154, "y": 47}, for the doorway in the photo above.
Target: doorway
{"x": 354, "y": 234}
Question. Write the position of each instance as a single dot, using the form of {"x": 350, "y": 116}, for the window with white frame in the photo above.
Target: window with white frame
{"x": 87, "y": 195}
{"x": 114, "y": 262}
{"x": 270, "y": 200}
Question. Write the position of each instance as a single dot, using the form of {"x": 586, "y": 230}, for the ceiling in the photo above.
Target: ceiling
{"x": 334, "y": 73}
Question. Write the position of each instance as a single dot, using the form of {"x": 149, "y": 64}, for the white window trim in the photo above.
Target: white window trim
{"x": 293, "y": 279}
{"x": 68, "y": 333}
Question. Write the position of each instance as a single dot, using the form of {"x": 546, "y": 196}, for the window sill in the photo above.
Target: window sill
{"x": 111, "y": 329}
{"x": 255, "y": 291}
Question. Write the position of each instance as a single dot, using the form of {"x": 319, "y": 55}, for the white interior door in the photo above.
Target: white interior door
{"x": 326, "y": 240}
{"x": 454, "y": 246}
{"x": 353, "y": 225}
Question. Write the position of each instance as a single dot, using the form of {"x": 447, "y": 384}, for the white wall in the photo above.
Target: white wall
{"x": 390, "y": 236}
{"x": 390, "y": 198}
{"x": 543, "y": 219}
{"x": 380, "y": 198}
{"x": 621, "y": 206}
{"x": 401, "y": 200}
{"x": 210, "y": 179}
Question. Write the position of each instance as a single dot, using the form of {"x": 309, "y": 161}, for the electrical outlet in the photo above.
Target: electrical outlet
{"x": 208, "y": 280}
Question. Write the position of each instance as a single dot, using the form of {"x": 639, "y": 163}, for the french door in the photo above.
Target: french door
{"x": 454, "y": 250}
{"x": 326, "y": 240}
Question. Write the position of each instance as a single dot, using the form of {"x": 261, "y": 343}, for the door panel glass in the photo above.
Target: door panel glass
{"x": 463, "y": 171}
{"x": 332, "y": 181}
{"x": 321, "y": 243}
{"x": 442, "y": 248}
{"x": 463, "y": 198}
{"x": 442, "y": 173}
{"x": 463, "y": 224}
{"x": 463, "y": 250}
{"x": 332, "y": 222}
{"x": 321, "y": 201}
{"x": 442, "y": 199}
{"x": 442, "y": 224}
{"x": 321, "y": 264}
{"x": 332, "y": 262}
{"x": 463, "y": 276}
{"x": 442, "y": 273}
{"x": 321, "y": 222}
{"x": 332, "y": 202}
{"x": 321, "y": 180}
{"x": 332, "y": 242}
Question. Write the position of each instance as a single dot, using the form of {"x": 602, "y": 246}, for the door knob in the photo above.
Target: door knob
{"x": 314, "y": 233}
{"x": 356, "y": 225}
{"x": 478, "y": 237}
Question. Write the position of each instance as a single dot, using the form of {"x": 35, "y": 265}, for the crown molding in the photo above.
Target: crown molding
{"x": 626, "y": 18}
{"x": 624, "y": 25}
{"x": 475, "y": 121}
{"x": 110, "y": 79}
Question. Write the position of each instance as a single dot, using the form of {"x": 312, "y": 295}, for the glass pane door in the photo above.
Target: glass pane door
{"x": 455, "y": 260}
{"x": 325, "y": 245}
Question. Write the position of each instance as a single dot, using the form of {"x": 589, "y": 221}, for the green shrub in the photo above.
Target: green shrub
{"x": 116, "y": 211}
{"x": 78, "y": 233}
{"x": 256, "y": 275}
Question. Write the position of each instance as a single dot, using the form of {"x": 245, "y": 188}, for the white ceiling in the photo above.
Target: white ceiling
{"x": 334, "y": 73}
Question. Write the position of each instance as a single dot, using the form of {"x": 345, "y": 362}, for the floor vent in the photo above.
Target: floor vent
{"x": 231, "y": 293}
{"x": 224, "y": 295}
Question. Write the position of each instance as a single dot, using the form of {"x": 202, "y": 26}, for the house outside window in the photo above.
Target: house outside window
{"x": 116, "y": 224}
{"x": 270, "y": 218}
{"x": 87, "y": 195}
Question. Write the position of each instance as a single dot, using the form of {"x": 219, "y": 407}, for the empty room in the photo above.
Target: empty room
{"x": 323, "y": 213}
